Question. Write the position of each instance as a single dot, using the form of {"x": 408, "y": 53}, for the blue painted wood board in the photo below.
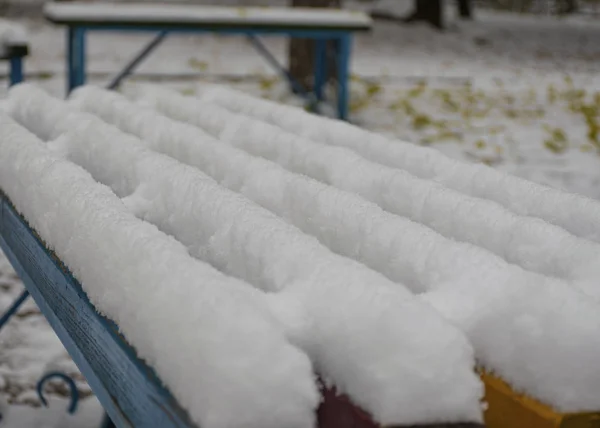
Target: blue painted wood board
{"x": 128, "y": 389}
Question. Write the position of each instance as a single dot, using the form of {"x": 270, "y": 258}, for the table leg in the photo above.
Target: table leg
{"x": 154, "y": 43}
{"x": 16, "y": 70}
{"x": 75, "y": 58}
{"x": 320, "y": 71}
{"x": 343, "y": 72}
{"x": 13, "y": 308}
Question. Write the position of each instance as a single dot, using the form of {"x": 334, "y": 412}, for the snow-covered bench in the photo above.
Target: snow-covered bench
{"x": 376, "y": 274}
{"x": 214, "y": 314}
{"x": 322, "y": 25}
{"x": 13, "y": 48}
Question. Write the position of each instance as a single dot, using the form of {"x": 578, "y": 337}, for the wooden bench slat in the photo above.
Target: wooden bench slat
{"x": 510, "y": 409}
{"x": 131, "y": 14}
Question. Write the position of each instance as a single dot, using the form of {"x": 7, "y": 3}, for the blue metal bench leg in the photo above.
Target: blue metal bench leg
{"x": 75, "y": 57}
{"x": 343, "y": 72}
{"x": 154, "y": 43}
{"x": 14, "y": 308}
{"x": 320, "y": 71}
{"x": 16, "y": 70}
{"x": 10, "y": 312}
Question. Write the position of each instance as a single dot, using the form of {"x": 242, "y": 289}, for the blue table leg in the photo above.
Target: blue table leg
{"x": 14, "y": 308}
{"x": 154, "y": 43}
{"x": 343, "y": 72}
{"x": 75, "y": 57}
{"x": 320, "y": 72}
{"x": 16, "y": 70}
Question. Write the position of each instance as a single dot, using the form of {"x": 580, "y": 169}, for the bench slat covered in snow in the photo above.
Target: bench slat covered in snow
{"x": 233, "y": 306}
{"x": 127, "y": 388}
{"x": 13, "y": 47}
{"x": 319, "y": 24}
{"x": 379, "y": 276}
{"x": 103, "y": 14}
{"x": 538, "y": 230}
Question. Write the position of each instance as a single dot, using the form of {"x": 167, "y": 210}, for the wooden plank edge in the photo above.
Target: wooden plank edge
{"x": 507, "y": 408}
{"x": 127, "y": 388}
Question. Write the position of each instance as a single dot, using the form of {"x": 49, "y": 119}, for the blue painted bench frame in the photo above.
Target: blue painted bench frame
{"x": 128, "y": 389}
{"x": 76, "y": 50}
{"x": 14, "y": 53}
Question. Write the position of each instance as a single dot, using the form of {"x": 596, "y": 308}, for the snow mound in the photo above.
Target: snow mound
{"x": 527, "y": 241}
{"x": 230, "y": 351}
{"x": 12, "y": 33}
{"x": 575, "y": 213}
{"x": 468, "y": 285}
{"x": 393, "y": 354}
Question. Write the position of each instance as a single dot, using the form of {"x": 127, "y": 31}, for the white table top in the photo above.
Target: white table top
{"x": 13, "y": 37}
{"x": 105, "y": 13}
{"x": 12, "y": 33}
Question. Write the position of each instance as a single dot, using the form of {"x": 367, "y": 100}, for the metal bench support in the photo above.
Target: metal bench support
{"x": 76, "y": 37}
{"x": 75, "y": 57}
{"x": 320, "y": 72}
{"x": 129, "y": 68}
{"x": 16, "y": 70}
{"x": 343, "y": 74}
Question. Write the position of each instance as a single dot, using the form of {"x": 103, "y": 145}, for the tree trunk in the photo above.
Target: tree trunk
{"x": 430, "y": 11}
{"x": 302, "y": 51}
{"x": 567, "y": 6}
{"x": 465, "y": 9}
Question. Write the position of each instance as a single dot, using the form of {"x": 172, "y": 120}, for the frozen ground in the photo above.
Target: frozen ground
{"x": 520, "y": 93}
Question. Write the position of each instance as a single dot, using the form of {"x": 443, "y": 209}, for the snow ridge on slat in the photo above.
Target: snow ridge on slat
{"x": 527, "y": 241}
{"x": 189, "y": 331}
{"x": 506, "y": 312}
{"x": 577, "y": 214}
{"x": 391, "y": 352}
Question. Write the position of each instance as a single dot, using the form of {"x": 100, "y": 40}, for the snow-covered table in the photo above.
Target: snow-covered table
{"x": 241, "y": 247}
{"x": 13, "y": 48}
{"x": 128, "y": 389}
{"x": 232, "y": 353}
{"x": 321, "y": 25}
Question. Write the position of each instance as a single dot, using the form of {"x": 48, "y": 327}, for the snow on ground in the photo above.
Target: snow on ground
{"x": 504, "y": 90}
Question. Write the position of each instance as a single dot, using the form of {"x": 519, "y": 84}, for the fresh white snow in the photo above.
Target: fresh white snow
{"x": 479, "y": 294}
{"x": 207, "y": 15}
{"x": 230, "y": 349}
{"x": 578, "y": 214}
{"x": 331, "y": 306}
{"x": 506, "y": 62}
{"x": 12, "y": 33}
{"x": 527, "y": 241}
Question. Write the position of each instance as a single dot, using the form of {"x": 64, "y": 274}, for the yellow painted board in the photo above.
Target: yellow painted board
{"x": 509, "y": 409}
